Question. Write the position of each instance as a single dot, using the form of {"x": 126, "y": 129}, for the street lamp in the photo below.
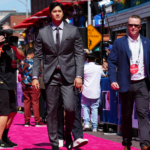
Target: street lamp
{"x": 26, "y": 7}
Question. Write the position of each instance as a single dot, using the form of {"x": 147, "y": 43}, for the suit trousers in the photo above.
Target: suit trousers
{"x": 42, "y": 106}
{"x": 57, "y": 86}
{"x": 77, "y": 130}
{"x": 137, "y": 92}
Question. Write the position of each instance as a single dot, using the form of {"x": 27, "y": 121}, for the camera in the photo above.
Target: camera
{"x": 11, "y": 40}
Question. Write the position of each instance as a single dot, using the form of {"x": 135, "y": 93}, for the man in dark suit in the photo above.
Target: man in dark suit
{"x": 128, "y": 68}
{"x": 62, "y": 46}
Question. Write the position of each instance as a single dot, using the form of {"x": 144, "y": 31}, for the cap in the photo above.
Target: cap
{"x": 110, "y": 42}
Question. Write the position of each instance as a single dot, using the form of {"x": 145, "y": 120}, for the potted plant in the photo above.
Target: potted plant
{"x": 122, "y": 2}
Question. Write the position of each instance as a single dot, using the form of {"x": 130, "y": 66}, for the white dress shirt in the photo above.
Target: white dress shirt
{"x": 92, "y": 78}
{"x": 134, "y": 47}
{"x": 61, "y": 26}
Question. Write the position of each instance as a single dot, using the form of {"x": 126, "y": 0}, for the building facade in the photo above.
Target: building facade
{"x": 37, "y": 5}
{"x": 14, "y": 19}
{"x": 4, "y": 13}
{"x": 118, "y": 20}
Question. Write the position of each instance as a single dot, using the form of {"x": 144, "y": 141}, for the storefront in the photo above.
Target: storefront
{"x": 118, "y": 20}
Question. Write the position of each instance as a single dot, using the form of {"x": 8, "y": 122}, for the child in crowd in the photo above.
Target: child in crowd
{"x": 31, "y": 95}
{"x": 91, "y": 92}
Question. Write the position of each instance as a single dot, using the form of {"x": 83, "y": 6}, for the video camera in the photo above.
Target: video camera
{"x": 11, "y": 40}
{"x": 105, "y": 44}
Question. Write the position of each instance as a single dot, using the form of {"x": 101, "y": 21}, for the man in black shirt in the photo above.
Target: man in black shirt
{"x": 8, "y": 84}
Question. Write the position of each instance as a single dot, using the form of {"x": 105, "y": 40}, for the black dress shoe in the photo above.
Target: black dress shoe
{"x": 55, "y": 148}
{"x": 69, "y": 142}
{"x": 9, "y": 142}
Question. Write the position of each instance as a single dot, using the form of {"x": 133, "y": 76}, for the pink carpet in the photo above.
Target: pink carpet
{"x": 36, "y": 138}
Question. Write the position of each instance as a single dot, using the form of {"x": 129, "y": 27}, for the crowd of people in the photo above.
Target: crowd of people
{"x": 58, "y": 70}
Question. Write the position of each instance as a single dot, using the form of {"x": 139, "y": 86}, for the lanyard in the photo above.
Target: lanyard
{"x": 131, "y": 56}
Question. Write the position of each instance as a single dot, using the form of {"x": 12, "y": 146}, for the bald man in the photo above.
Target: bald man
{"x": 8, "y": 109}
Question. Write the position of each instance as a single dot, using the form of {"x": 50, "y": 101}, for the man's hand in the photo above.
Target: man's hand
{"x": 78, "y": 84}
{"x": 35, "y": 84}
{"x": 115, "y": 86}
{"x": 2, "y": 38}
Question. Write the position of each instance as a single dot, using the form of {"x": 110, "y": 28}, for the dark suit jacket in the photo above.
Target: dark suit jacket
{"x": 120, "y": 57}
{"x": 70, "y": 56}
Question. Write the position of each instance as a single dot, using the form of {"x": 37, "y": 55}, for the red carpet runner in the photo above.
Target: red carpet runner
{"x": 36, "y": 138}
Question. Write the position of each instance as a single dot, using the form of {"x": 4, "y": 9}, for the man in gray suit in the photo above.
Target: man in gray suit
{"x": 62, "y": 46}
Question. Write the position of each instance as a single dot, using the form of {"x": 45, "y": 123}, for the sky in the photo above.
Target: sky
{"x": 15, "y": 4}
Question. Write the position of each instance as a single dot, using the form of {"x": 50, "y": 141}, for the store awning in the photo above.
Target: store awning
{"x": 31, "y": 20}
{"x": 22, "y": 25}
{"x": 45, "y": 13}
{"x": 67, "y": 2}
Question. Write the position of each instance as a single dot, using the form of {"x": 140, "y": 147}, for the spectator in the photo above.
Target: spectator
{"x": 105, "y": 65}
{"x": 75, "y": 14}
{"x": 91, "y": 92}
{"x": 31, "y": 95}
{"x": 82, "y": 18}
{"x": 108, "y": 49}
{"x": 86, "y": 52}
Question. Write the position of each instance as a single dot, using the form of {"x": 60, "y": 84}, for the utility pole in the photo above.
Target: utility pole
{"x": 26, "y": 4}
{"x": 89, "y": 12}
{"x": 102, "y": 17}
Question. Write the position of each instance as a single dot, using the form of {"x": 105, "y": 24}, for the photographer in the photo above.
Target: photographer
{"x": 8, "y": 109}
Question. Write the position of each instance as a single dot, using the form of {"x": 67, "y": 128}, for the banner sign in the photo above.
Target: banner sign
{"x": 109, "y": 103}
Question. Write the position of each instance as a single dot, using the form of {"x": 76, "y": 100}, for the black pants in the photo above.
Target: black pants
{"x": 56, "y": 86}
{"x": 77, "y": 130}
{"x": 138, "y": 92}
{"x": 42, "y": 101}
{"x": 7, "y": 102}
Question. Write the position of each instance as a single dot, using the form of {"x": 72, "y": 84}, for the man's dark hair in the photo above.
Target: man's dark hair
{"x": 135, "y": 16}
{"x": 91, "y": 57}
{"x": 54, "y": 4}
{"x": 30, "y": 50}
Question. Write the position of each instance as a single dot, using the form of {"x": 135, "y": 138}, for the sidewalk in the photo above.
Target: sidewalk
{"x": 114, "y": 138}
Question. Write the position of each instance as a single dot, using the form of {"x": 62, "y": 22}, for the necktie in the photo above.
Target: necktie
{"x": 57, "y": 39}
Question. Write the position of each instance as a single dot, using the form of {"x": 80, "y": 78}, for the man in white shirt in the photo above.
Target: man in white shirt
{"x": 91, "y": 92}
{"x": 130, "y": 55}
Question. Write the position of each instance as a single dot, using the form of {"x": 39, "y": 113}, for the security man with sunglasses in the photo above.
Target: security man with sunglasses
{"x": 130, "y": 55}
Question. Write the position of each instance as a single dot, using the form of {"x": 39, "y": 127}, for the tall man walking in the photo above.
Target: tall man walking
{"x": 130, "y": 56}
{"x": 62, "y": 46}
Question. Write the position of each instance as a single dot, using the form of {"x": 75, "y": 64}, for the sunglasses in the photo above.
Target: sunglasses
{"x": 135, "y": 25}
